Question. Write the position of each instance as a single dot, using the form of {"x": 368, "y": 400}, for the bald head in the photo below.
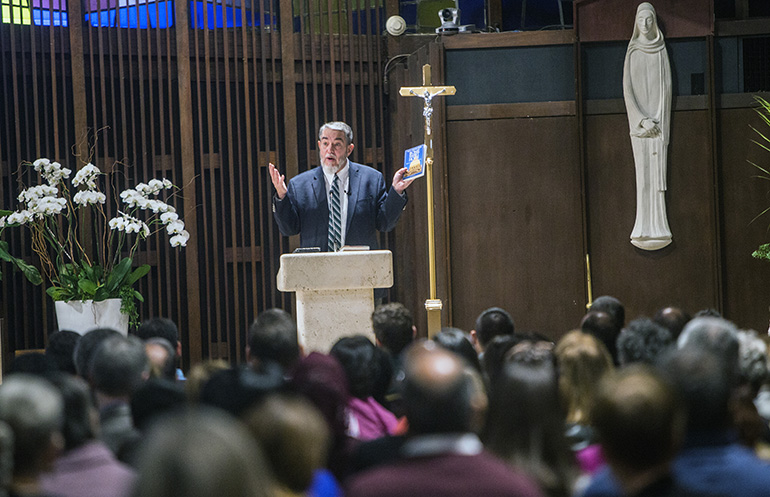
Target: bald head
{"x": 437, "y": 392}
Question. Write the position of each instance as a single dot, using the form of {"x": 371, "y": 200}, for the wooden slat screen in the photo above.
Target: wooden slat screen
{"x": 206, "y": 104}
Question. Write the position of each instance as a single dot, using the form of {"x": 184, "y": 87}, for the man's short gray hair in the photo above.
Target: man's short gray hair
{"x": 34, "y": 410}
{"x": 339, "y": 126}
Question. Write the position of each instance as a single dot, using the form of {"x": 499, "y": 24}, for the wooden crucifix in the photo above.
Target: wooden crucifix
{"x": 427, "y": 92}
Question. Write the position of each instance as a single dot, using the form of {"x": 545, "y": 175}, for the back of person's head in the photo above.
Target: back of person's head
{"x": 159, "y": 328}
{"x": 393, "y": 326}
{"x": 709, "y": 312}
{"x": 673, "y": 319}
{"x": 34, "y": 411}
{"x": 491, "y": 323}
{"x": 714, "y": 334}
{"x": 459, "y": 342}
{"x": 321, "y": 379}
{"x": 752, "y": 360}
{"x": 642, "y": 340}
{"x": 294, "y": 437}
{"x": 604, "y": 327}
{"x": 494, "y": 355}
{"x": 155, "y": 398}
{"x": 80, "y": 424}
{"x": 273, "y": 337}
{"x": 34, "y": 363}
{"x": 437, "y": 392}
{"x": 61, "y": 348}
{"x": 119, "y": 366}
{"x": 361, "y": 362}
{"x": 162, "y": 358}
{"x": 237, "y": 389}
{"x": 705, "y": 381}
{"x": 201, "y": 453}
{"x": 199, "y": 375}
{"x": 613, "y": 307}
{"x": 525, "y": 425}
{"x": 85, "y": 348}
{"x": 639, "y": 419}
{"x": 582, "y": 361}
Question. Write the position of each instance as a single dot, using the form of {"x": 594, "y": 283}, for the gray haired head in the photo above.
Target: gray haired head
{"x": 338, "y": 126}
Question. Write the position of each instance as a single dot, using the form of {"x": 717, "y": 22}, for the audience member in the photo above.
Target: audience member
{"x": 199, "y": 375}
{"x": 525, "y": 424}
{"x": 716, "y": 335}
{"x": 640, "y": 423}
{"x": 442, "y": 457}
{"x": 34, "y": 363}
{"x": 295, "y": 440}
{"x": 609, "y": 334}
{"x": 673, "y": 319}
{"x": 583, "y": 361}
{"x": 393, "y": 328}
{"x": 201, "y": 453}
{"x": 459, "y": 342}
{"x": 154, "y": 398}
{"x": 162, "y": 358}
{"x": 163, "y": 328}
{"x": 752, "y": 374}
{"x": 494, "y": 355}
{"x": 34, "y": 411}
{"x": 87, "y": 467}
{"x": 601, "y": 325}
{"x": 85, "y": 348}
{"x": 491, "y": 323}
{"x": 321, "y": 379}
{"x": 118, "y": 368}
{"x": 367, "y": 419}
{"x": 710, "y": 460}
{"x": 642, "y": 340}
{"x": 273, "y": 338}
{"x": 237, "y": 389}
{"x": 611, "y": 306}
{"x": 61, "y": 348}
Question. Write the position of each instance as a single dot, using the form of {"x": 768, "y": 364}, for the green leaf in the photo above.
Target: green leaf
{"x": 138, "y": 296}
{"x": 57, "y": 293}
{"x": 118, "y": 274}
{"x": 762, "y": 252}
{"x": 4, "y": 254}
{"x": 88, "y": 287}
{"x": 31, "y": 272}
{"x": 101, "y": 294}
{"x": 137, "y": 274}
{"x": 5, "y": 213}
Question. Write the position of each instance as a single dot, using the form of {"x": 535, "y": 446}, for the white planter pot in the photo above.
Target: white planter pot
{"x": 83, "y": 316}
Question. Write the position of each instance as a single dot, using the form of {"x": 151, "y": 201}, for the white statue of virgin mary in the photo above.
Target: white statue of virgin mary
{"x": 647, "y": 92}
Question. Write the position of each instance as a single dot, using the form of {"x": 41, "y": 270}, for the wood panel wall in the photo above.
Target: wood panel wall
{"x": 511, "y": 243}
{"x": 206, "y": 108}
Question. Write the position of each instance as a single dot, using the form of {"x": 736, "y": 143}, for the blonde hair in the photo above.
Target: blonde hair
{"x": 583, "y": 360}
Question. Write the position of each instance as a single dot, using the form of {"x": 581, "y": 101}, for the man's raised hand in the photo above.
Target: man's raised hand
{"x": 399, "y": 183}
{"x": 279, "y": 181}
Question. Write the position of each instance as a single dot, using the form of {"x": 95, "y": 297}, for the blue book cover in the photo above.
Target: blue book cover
{"x": 414, "y": 161}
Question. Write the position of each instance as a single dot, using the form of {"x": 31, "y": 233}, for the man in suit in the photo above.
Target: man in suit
{"x": 366, "y": 206}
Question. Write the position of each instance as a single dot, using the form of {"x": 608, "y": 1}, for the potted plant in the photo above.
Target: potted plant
{"x": 62, "y": 214}
{"x": 763, "y": 140}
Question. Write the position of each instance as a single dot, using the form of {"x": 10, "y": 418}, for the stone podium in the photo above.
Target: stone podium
{"x": 335, "y": 292}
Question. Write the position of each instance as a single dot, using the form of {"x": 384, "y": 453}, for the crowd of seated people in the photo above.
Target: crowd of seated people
{"x": 661, "y": 406}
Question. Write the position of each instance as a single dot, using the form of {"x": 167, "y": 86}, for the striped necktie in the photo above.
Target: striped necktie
{"x": 335, "y": 216}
